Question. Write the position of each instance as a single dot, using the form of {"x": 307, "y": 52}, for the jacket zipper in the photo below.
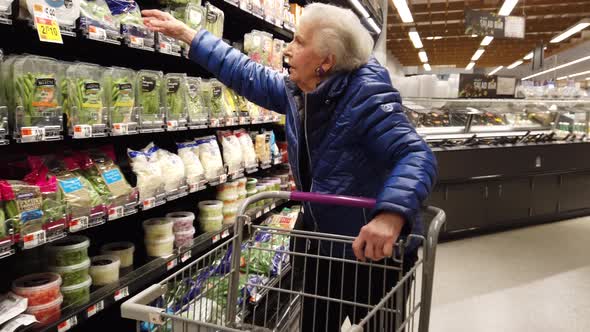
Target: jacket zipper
{"x": 316, "y": 228}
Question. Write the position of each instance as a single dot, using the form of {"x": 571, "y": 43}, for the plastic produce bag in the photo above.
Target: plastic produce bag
{"x": 262, "y": 147}
{"x": 121, "y": 87}
{"x": 54, "y": 207}
{"x": 210, "y": 157}
{"x": 216, "y": 106}
{"x": 86, "y": 96}
{"x": 23, "y": 204}
{"x": 97, "y": 14}
{"x": 150, "y": 181}
{"x": 232, "y": 151}
{"x": 106, "y": 178}
{"x": 248, "y": 152}
{"x": 66, "y": 12}
{"x": 176, "y": 100}
{"x": 274, "y": 149}
{"x": 149, "y": 98}
{"x": 171, "y": 165}
{"x": 127, "y": 13}
{"x": 197, "y": 113}
{"x": 214, "y": 20}
{"x": 192, "y": 165}
{"x": 229, "y": 100}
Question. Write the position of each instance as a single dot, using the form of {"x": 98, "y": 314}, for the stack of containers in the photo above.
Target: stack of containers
{"x": 242, "y": 192}
{"x": 105, "y": 269}
{"x": 69, "y": 258}
{"x": 261, "y": 187}
{"x": 43, "y": 295}
{"x": 159, "y": 237}
{"x": 183, "y": 228}
{"x": 123, "y": 250}
{"x": 251, "y": 190}
{"x": 210, "y": 215}
{"x": 228, "y": 194}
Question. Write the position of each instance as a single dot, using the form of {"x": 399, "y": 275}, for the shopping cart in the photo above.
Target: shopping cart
{"x": 312, "y": 283}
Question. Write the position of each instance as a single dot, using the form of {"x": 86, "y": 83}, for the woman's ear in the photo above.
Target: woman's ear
{"x": 328, "y": 63}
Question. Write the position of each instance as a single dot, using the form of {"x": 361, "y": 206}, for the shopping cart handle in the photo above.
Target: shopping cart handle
{"x": 359, "y": 202}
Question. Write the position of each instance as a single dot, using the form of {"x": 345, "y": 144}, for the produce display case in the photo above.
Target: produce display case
{"x": 97, "y": 22}
{"x": 488, "y": 121}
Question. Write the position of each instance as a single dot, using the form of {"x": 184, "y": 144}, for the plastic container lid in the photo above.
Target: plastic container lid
{"x": 159, "y": 241}
{"x": 57, "y": 302}
{"x": 83, "y": 284}
{"x": 36, "y": 282}
{"x": 106, "y": 262}
{"x": 117, "y": 246}
{"x": 70, "y": 268}
{"x": 181, "y": 216}
{"x": 75, "y": 242}
{"x": 156, "y": 222}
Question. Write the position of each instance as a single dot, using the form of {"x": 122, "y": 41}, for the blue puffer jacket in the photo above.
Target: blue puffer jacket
{"x": 359, "y": 141}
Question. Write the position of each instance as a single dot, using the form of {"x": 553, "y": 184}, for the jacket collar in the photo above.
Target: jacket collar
{"x": 333, "y": 86}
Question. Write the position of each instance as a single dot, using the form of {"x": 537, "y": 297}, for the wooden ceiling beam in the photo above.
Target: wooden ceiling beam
{"x": 462, "y": 5}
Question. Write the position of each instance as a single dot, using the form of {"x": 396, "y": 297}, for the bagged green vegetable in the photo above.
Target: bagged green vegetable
{"x": 97, "y": 22}
{"x": 86, "y": 95}
{"x": 149, "y": 98}
{"x": 175, "y": 91}
{"x": 23, "y": 204}
{"x": 197, "y": 113}
{"x": 230, "y": 103}
{"x": 214, "y": 20}
{"x": 121, "y": 89}
{"x": 2, "y": 222}
{"x": 54, "y": 207}
{"x": 216, "y": 107}
{"x": 106, "y": 178}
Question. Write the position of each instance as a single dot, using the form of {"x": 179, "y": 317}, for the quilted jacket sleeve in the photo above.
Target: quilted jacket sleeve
{"x": 392, "y": 141}
{"x": 259, "y": 84}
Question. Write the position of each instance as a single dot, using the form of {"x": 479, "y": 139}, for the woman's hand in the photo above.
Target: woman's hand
{"x": 377, "y": 238}
{"x": 159, "y": 21}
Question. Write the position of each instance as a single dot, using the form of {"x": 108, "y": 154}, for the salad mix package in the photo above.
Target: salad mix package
{"x": 97, "y": 22}
{"x": 197, "y": 112}
{"x": 87, "y": 100}
{"x": 128, "y": 15}
{"x": 214, "y": 20}
{"x": 175, "y": 90}
{"x": 121, "y": 87}
{"x": 149, "y": 97}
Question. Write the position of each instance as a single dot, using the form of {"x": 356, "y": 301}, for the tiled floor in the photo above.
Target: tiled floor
{"x": 531, "y": 279}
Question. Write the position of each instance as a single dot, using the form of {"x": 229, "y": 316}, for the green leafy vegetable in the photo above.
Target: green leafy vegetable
{"x": 216, "y": 102}
{"x": 176, "y": 96}
{"x": 35, "y": 92}
{"x": 148, "y": 94}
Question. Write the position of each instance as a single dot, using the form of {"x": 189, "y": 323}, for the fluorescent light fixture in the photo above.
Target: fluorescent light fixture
{"x": 374, "y": 26}
{"x": 474, "y": 35}
{"x": 583, "y": 24}
{"x": 470, "y": 66}
{"x": 495, "y": 70}
{"x": 427, "y": 67}
{"x": 587, "y": 78}
{"x": 415, "y": 38}
{"x": 357, "y": 5}
{"x": 403, "y": 10}
{"x": 579, "y": 74}
{"x": 434, "y": 37}
{"x": 423, "y": 57}
{"x": 561, "y": 78}
{"x": 557, "y": 68}
{"x": 515, "y": 64}
{"x": 477, "y": 54}
{"x": 507, "y": 7}
{"x": 486, "y": 40}
{"x": 528, "y": 56}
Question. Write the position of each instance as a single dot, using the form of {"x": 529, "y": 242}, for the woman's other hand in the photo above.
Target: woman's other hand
{"x": 377, "y": 238}
{"x": 159, "y": 21}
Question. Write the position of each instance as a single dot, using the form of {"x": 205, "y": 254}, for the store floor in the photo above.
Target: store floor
{"x": 530, "y": 279}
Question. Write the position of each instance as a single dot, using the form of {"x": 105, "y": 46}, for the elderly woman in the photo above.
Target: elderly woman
{"x": 345, "y": 129}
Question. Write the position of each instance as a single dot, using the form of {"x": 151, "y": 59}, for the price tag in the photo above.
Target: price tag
{"x": 171, "y": 264}
{"x": 229, "y": 121}
{"x": 165, "y": 47}
{"x": 225, "y": 234}
{"x": 173, "y": 124}
{"x": 273, "y": 206}
{"x": 193, "y": 187}
{"x": 222, "y": 178}
{"x": 258, "y": 214}
{"x": 136, "y": 41}
{"x": 116, "y": 212}
{"x": 121, "y": 293}
{"x": 94, "y": 309}
{"x": 266, "y": 209}
{"x": 149, "y": 203}
{"x": 79, "y": 224}
{"x": 242, "y": 120}
{"x": 32, "y": 134}
{"x": 97, "y": 33}
{"x": 33, "y": 240}
{"x": 185, "y": 257}
{"x": 214, "y": 123}
{"x": 216, "y": 238}
{"x": 67, "y": 324}
{"x": 46, "y": 24}
{"x": 82, "y": 131}
{"x": 120, "y": 129}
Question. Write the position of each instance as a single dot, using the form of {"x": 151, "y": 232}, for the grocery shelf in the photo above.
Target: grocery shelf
{"x": 134, "y": 281}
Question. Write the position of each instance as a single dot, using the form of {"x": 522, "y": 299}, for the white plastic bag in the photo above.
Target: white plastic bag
{"x": 150, "y": 181}
{"x": 171, "y": 165}
{"x": 192, "y": 165}
{"x": 232, "y": 151}
{"x": 248, "y": 152}
{"x": 210, "y": 156}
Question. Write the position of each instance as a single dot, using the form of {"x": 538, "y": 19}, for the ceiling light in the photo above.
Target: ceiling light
{"x": 403, "y": 10}
{"x": 495, "y": 70}
{"x": 561, "y": 78}
{"x": 583, "y": 24}
{"x": 374, "y": 26}
{"x": 515, "y": 64}
{"x": 477, "y": 54}
{"x": 587, "y": 78}
{"x": 507, "y": 7}
{"x": 486, "y": 40}
{"x": 474, "y": 35}
{"x": 434, "y": 37}
{"x": 427, "y": 67}
{"x": 415, "y": 38}
{"x": 579, "y": 74}
{"x": 558, "y": 67}
{"x": 423, "y": 57}
{"x": 357, "y": 5}
{"x": 470, "y": 66}
{"x": 528, "y": 56}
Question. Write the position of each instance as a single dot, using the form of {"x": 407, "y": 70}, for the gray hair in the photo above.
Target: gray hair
{"x": 338, "y": 31}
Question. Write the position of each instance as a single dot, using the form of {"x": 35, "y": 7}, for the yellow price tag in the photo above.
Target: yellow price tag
{"x": 46, "y": 24}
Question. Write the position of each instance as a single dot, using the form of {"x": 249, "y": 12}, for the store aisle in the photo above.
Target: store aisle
{"x": 531, "y": 279}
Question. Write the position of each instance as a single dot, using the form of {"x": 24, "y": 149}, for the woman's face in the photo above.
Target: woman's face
{"x": 303, "y": 60}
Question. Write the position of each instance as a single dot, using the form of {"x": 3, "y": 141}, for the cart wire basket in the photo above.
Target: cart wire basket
{"x": 288, "y": 280}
